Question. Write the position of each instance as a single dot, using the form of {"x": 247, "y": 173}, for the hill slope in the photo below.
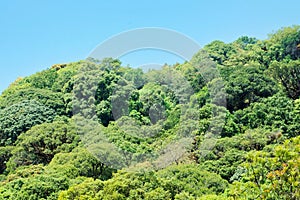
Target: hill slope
{"x": 224, "y": 125}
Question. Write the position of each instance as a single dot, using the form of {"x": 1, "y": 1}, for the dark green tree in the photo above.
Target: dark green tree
{"x": 21, "y": 117}
{"x": 46, "y": 97}
{"x": 287, "y": 73}
{"x": 39, "y": 144}
{"x": 247, "y": 85}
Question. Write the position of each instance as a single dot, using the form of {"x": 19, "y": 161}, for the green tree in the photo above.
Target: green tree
{"x": 191, "y": 179}
{"x": 229, "y": 152}
{"x": 42, "y": 80}
{"x": 274, "y": 113}
{"x": 219, "y": 51}
{"x": 37, "y": 182}
{"x": 21, "y": 117}
{"x": 287, "y": 73}
{"x": 284, "y": 44}
{"x": 85, "y": 190}
{"x": 247, "y": 85}
{"x": 39, "y": 144}
{"x": 271, "y": 174}
{"x": 5, "y": 154}
{"x": 84, "y": 161}
{"x": 46, "y": 97}
{"x": 66, "y": 75}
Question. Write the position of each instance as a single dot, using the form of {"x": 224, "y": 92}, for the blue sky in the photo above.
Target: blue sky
{"x": 37, "y": 34}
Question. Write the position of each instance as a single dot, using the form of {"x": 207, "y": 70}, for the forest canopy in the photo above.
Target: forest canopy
{"x": 223, "y": 125}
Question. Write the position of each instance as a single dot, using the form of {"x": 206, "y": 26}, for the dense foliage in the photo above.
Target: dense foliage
{"x": 224, "y": 125}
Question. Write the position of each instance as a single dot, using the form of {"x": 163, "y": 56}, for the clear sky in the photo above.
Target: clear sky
{"x": 37, "y": 34}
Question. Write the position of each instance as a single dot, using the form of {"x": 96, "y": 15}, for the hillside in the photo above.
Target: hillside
{"x": 224, "y": 125}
